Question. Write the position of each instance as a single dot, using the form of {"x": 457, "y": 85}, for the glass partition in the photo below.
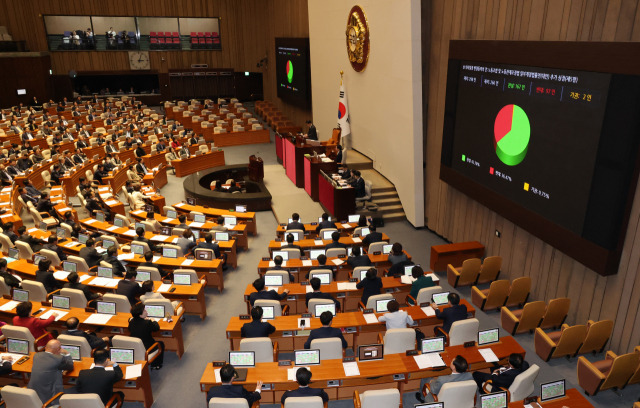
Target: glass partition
{"x": 159, "y": 33}
{"x": 115, "y": 33}
{"x": 69, "y": 32}
{"x": 202, "y": 33}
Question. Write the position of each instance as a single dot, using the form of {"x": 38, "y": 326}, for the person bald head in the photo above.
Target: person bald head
{"x": 53, "y": 347}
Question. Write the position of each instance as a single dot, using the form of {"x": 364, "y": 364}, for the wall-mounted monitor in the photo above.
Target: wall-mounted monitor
{"x": 293, "y": 74}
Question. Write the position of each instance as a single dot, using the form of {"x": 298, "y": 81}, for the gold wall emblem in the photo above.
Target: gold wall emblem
{"x": 357, "y": 35}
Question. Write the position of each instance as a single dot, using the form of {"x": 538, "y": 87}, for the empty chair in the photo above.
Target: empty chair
{"x": 398, "y": 340}
{"x": 284, "y": 274}
{"x": 6, "y": 243}
{"x": 69, "y": 340}
{"x": 376, "y": 247}
{"x": 371, "y": 302}
{"x": 519, "y": 292}
{"x": 463, "y": 331}
{"x": 460, "y": 394}
{"x": 149, "y": 226}
{"x": 522, "y": 386}
{"x": 330, "y": 348}
{"x": 230, "y": 402}
{"x": 265, "y": 350}
{"x": 304, "y": 402}
{"x": 466, "y": 274}
{"x": 139, "y": 352}
{"x": 425, "y": 295}
{"x": 335, "y": 252}
{"x": 121, "y": 301}
{"x": 490, "y": 269}
{"x": 24, "y": 250}
{"x": 82, "y": 265}
{"x": 317, "y": 272}
{"x": 42, "y": 217}
{"x": 125, "y": 220}
{"x": 556, "y": 313}
{"x": 492, "y": 298}
{"x": 76, "y": 297}
{"x": 612, "y": 372}
{"x": 388, "y": 398}
{"x": 4, "y": 288}
{"x": 565, "y": 342}
{"x": 598, "y": 333}
{"x": 52, "y": 256}
{"x": 278, "y": 309}
{"x": 522, "y": 320}
{"x": 89, "y": 401}
{"x": 176, "y": 247}
{"x": 16, "y": 397}
{"x": 37, "y": 292}
{"x": 635, "y": 378}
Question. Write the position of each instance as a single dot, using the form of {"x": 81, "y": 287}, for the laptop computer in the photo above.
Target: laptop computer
{"x": 306, "y": 357}
{"x": 319, "y": 309}
{"x": 122, "y": 355}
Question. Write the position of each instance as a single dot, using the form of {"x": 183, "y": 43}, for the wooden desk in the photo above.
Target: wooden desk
{"x": 249, "y": 217}
{"x": 307, "y": 244}
{"x": 194, "y": 164}
{"x": 117, "y": 179}
{"x": 158, "y": 179}
{"x": 170, "y": 332}
{"x": 70, "y": 182}
{"x": 377, "y": 374}
{"x": 92, "y": 151}
{"x": 154, "y": 159}
{"x": 240, "y": 138}
{"x": 337, "y": 201}
{"x": 454, "y": 254}
{"x": 293, "y": 157}
{"x": 134, "y": 389}
{"x": 345, "y": 229}
{"x": 573, "y": 399}
{"x": 312, "y": 167}
{"x": 356, "y": 330}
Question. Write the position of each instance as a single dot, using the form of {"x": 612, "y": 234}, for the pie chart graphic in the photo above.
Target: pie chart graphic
{"x": 512, "y": 132}
{"x": 289, "y": 71}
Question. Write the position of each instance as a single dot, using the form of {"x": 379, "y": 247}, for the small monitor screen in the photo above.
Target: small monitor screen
{"x": 60, "y": 302}
{"x": 222, "y": 236}
{"x": 386, "y": 249}
{"x": 319, "y": 309}
{"x": 140, "y": 225}
{"x": 371, "y": 352}
{"x": 283, "y": 254}
{"x": 327, "y": 234}
{"x": 242, "y": 358}
{"x": 149, "y": 209}
{"x": 37, "y": 258}
{"x": 106, "y": 307}
{"x": 191, "y": 201}
{"x": 142, "y": 276}
{"x": 488, "y": 336}
{"x": 122, "y": 356}
{"x": 105, "y": 272}
{"x": 181, "y": 279}
{"x": 166, "y": 231}
{"x": 43, "y": 226}
{"x": 17, "y": 346}
{"x": 172, "y": 214}
{"x": 295, "y": 235}
{"x": 440, "y": 298}
{"x": 495, "y": 400}
{"x": 314, "y": 253}
{"x": 365, "y": 231}
{"x": 196, "y": 234}
{"x": 230, "y": 221}
{"x": 432, "y": 345}
{"x": 273, "y": 280}
{"x": 430, "y": 405}
{"x": 74, "y": 351}
{"x": 552, "y": 390}
{"x": 381, "y": 305}
{"x": 307, "y": 357}
{"x": 354, "y": 218}
{"x": 320, "y": 219}
{"x": 267, "y": 312}
{"x": 363, "y": 274}
{"x": 241, "y": 208}
{"x": 409, "y": 269}
{"x": 14, "y": 253}
{"x": 20, "y": 295}
{"x": 21, "y": 91}
{"x": 61, "y": 233}
{"x": 203, "y": 254}
{"x": 169, "y": 252}
{"x": 68, "y": 266}
{"x": 100, "y": 216}
{"x": 155, "y": 311}
{"x": 82, "y": 238}
{"x": 118, "y": 222}
{"x": 137, "y": 249}
{"x": 107, "y": 243}
{"x": 199, "y": 218}
{"x": 291, "y": 220}
{"x": 325, "y": 277}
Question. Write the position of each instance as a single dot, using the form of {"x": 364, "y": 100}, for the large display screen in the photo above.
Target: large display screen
{"x": 552, "y": 149}
{"x": 293, "y": 75}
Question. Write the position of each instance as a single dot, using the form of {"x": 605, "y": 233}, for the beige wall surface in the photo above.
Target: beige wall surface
{"x": 385, "y": 100}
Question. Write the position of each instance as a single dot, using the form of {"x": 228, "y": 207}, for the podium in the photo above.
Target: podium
{"x": 256, "y": 168}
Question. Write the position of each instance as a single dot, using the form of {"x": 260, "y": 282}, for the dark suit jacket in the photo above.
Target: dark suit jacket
{"x": 450, "y": 315}
{"x": 369, "y": 288}
{"x": 506, "y": 378}
{"x": 93, "y": 340}
{"x": 374, "y": 236}
{"x": 336, "y": 245}
{"x": 359, "y": 186}
{"x": 305, "y": 392}
{"x": 130, "y": 289}
{"x": 143, "y": 329}
{"x": 232, "y": 391}
{"x": 325, "y": 224}
{"x": 212, "y": 246}
{"x": 10, "y": 280}
{"x": 257, "y": 329}
{"x": 312, "y": 134}
{"x": 355, "y": 261}
{"x": 320, "y": 295}
{"x": 325, "y": 333}
{"x": 296, "y": 247}
{"x": 90, "y": 255}
{"x": 263, "y": 294}
{"x": 84, "y": 288}
{"x": 295, "y": 225}
{"x": 47, "y": 279}
{"x": 98, "y": 381}
{"x": 118, "y": 268}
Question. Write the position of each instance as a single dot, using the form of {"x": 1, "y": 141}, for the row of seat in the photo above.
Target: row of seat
{"x": 614, "y": 372}
{"x": 502, "y": 293}
{"x": 474, "y": 271}
{"x": 573, "y": 340}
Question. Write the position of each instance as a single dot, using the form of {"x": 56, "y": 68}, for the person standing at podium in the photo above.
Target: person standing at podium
{"x": 311, "y": 133}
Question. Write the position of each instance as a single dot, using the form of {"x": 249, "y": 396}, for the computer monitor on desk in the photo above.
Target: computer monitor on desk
{"x": 319, "y": 309}
{"x": 432, "y": 345}
{"x": 17, "y": 346}
{"x": 294, "y": 234}
{"x": 106, "y": 307}
{"x": 168, "y": 231}
{"x": 137, "y": 249}
{"x": 307, "y": 357}
{"x": 191, "y": 201}
{"x": 315, "y": 253}
{"x": 171, "y": 214}
{"x": 74, "y": 351}
{"x": 326, "y": 235}
{"x": 199, "y": 218}
{"x": 82, "y": 238}
{"x": 69, "y": 266}
{"x": 488, "y": 336}
{"x": 155, "y": 311}
{"x": 241, "y": 208}
{"x": 494, "y": 400}
{"x": 142, "y": 276}
{"x": 325, "y": 277}
{"x": 430, "y": 405}
{"x": 272, "y": 280}
{"x": 121, "y": 355}
{"x": 20, "y": 295}
{"x": 169, "y": 252}
{"x": 100, "y": 216}
{"x": 386, "y": 249}
{"x": 267, "y": 313}
{"x": 242, "y": 358}
{"x": 60, "y": 302}
{"x": 552, "y": 390}
{"x": 353, "y": 218}
{"x": 203, "y": 254}
{"x": 105, "y": 272}
{"x": 181, "y": 279}
{"x": 382, "y": 305}
{"x": 440, "y": 298}
{"x": 230, "y": 221}
{"x": 283, "y": 254}
{"x": 222, "y": 236}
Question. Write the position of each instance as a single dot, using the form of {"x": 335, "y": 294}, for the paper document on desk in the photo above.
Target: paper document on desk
{"x": 488, "y": 355}
{"x": 84, "y": 278}
{"x": 370, "y": 318}
{"x": 164, "y": 287}
{"x": 133, "y": 371}
{"x": 346, "y": 226}
{"x": 130, "y": 233}
{"x": 156, "y": 258}
{"x": 91, "y": 221}
{"x": 318, "y": 242}
{"x": 308, "y": 289}
{"x": 32, "y": 230}
{"x": 50, "y": 312}
{"x": 123, "y": 257}
{"x": 15, "y": 357}
{"x": 100, "y": 281}
{"x": 187, "y": 262}
{"x": 407, "y": 280}
{"x": 291, "y": 373}
{"x": 113, "y": 228}
{"x": 159, "y": 237}
{"x": 307, "y": 262}
{"x": 428, "y": 310}
{"x": 97, "y": 318}
{"x": 337, "y": 261}
{"x": 351, "y": 369}
{"x": 112, "y": 283}
{"x": 64, "y": 210}
{"x": 60, "y": 275}
{"x": 356, "y": 240}
{"x": 71, "y": 244}
{"x": 216, "y": 373}
{"x": 112, "y": 202}
{"x": 136, "y": 212}
{"x": 196, "y": 224}
{"x": 180, "y": 205}
{"x": 428, "y": 360}
{"x": 9, "y": 305}
{"x": 434, "y": 277}
{"x": 168, "y": 220}
{"x": 347, "y": 286}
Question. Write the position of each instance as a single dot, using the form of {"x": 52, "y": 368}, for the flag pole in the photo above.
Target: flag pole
{"x": 341, "y": 73}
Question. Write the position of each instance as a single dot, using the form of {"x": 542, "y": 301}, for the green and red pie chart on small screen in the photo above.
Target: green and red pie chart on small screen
{"x": 289, "y": 71}
{"x": 512, "y": 132}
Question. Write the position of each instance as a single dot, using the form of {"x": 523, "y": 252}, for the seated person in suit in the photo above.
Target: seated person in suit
{"x": 356, "y": 259}
{"x": 186, "y": 242}
{"x": 421, "y": 281}
{"x": 257, "y": 328}
{"x": 326, "y": 331}
{"x": 325, "y": 223}
{"x": 278, "y": 267}
{"x": 312, "y": 132}
{"x": 459, "y": 367}
{"x": 112, "y": 259}
{"x": 502, "y": 377}
{"x": 209, "y": 244}
{"x": 370, "y": 285}
{"x": 149, "y": 294}
{"x": 290, "y": 244}
{"x": 261, "y": 293}
{"x": 141, "y": 327}
{"x": 45, "y": 205}
{"x": 219, "y": 223}
{"x": 37, "y": 326}
{"x": 34, "y": 243}
{"x": 358, "y": 184}
{"x": 372, "y": 237}
{"x": 396, "y": 318}
{"x": 44, "y": 275}
{"x": 129, "y": 287}
{"x": 335, "y": 241}
{"x": 7, "y": 229}
{"x": 148, "y": 261}
{"x": 94, "y": 341}
{"x": 303, "y": 377}
{"x": 141, "y": 238}
{"x": 100, "y": 174}
{"x": 322, "y": 264}
{"x": 397, "y": 255}
{"x": 99, "y": 379}
{"x": 317, "y": 294}
{"x": 228, "y": 390}
{"x": 295, "y": 222}
{"x": 74, "y": 283}
{"x": 182, "y": 219}
{"x": 90, "y": 254}
{"x": 397, "y": 270}
{"x": 9, "y": 280}
{"x": 450, "y": 315}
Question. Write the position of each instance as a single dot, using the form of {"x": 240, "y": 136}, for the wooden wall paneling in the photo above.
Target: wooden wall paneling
{"x": 624, "y": 27}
